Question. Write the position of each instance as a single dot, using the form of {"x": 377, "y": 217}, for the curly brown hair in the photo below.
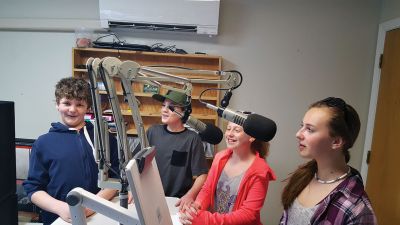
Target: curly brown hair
{"x": 73, "y": 88}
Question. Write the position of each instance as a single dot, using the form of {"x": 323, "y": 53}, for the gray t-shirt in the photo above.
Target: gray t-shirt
{"x": 226, "y": 193}
{"x": 179, "y": 157}
{"x": 300, "y": 215}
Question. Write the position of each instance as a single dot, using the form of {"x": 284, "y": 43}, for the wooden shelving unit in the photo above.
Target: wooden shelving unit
{"x": 150, "y": 108}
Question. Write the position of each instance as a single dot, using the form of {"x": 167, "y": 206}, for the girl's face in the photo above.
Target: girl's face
{"x": 167, "y": 116}
{"x": 313, "y": 135}
{"x": 236, "y": 138}
{"x": 72, "y": 112}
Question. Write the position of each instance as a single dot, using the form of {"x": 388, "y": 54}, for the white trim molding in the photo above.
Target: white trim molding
{"x": 383, "y": 28}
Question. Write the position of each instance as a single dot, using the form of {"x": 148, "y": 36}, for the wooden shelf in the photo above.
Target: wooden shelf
{"x": 79, "y": 70}
{"x": 140, "y": 94}
{"x": 112, "y": 52}
{"x": 150, "y": 108}
{"x": 157, "y": 114}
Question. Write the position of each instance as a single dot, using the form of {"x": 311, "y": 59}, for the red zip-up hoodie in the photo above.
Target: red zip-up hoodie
{"x": 251, "y": 195}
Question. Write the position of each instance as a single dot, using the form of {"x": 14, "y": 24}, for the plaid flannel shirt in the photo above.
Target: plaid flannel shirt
{"x": 347, "y": 204}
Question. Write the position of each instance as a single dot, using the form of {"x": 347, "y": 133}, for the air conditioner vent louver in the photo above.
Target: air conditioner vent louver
{"x": 173, "y": 16}
{"x": 152, "y": 26}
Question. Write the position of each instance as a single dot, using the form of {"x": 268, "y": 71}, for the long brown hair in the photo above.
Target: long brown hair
{"x": 344, "y": 123}
{"x": 261, "y": 147}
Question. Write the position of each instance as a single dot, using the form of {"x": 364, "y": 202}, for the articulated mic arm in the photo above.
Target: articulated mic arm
{"x": 128, "y": 72}
{"x": 106, "y": 70}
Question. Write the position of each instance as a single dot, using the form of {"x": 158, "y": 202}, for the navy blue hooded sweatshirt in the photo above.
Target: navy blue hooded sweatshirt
{"x": 61, "y": 160}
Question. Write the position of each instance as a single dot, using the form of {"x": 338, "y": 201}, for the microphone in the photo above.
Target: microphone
{"x": 227, "y": 97}
{"x": 208, "y": 132}
{"x": 254, "y": 125}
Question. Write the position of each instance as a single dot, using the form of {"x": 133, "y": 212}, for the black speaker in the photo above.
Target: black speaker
{"x": 8, "y": 196}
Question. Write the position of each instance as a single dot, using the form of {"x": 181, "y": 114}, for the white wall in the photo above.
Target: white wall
{"x": 48, "y": 9}
{"x": 291, "y": 53}
{"x": 32, "y": 63}
{"x": 390, "y": 10}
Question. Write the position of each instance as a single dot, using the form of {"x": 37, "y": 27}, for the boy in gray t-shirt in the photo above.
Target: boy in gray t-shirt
{"x": 180, "y": 153}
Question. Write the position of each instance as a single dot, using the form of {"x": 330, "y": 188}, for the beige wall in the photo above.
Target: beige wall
{"x": 390, "y": 10}
{"x": 291, "y": 53}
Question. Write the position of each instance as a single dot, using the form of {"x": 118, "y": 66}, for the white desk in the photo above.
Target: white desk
{"x": 99, "y": 219}
{"x": 29, "y": 223}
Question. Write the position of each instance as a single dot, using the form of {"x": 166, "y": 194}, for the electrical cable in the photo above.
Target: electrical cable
{"x": 222, "y": 89}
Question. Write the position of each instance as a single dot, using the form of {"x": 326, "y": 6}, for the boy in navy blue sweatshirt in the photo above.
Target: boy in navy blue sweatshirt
{"x": 63, "y": 158}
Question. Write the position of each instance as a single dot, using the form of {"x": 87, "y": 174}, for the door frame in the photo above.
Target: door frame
{"x": 383, "y": 28}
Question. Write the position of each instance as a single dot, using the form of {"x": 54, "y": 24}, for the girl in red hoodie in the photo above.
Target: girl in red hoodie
{"x": 237, "y": 183}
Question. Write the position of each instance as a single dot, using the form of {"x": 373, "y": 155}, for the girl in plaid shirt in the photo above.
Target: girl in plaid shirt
{"x": 326, "y": 190}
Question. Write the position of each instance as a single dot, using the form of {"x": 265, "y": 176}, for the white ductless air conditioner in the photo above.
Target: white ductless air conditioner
{"x": 190, "y": 16}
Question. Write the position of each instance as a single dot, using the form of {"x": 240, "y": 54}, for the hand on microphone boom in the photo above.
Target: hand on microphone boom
{"x": 207, "y": 131}
{"x": 254, "y": 125}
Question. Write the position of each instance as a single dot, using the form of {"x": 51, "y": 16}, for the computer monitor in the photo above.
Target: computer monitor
{"x": 8, "y": 196}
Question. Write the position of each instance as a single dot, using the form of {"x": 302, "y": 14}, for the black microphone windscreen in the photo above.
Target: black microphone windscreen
{"x": 259, "y": 127}
{"x": 212, "y": 134}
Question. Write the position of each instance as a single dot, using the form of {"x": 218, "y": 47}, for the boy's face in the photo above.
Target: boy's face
{"x": 72, "y": 112}
{"x": 167, "y": 116}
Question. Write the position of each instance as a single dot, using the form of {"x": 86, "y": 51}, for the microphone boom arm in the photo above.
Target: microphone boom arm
{"x": 110, "y": 68}
{"x": 128, "y": 72}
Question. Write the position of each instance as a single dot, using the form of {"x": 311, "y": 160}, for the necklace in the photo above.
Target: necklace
{"x": 333, "y": 180}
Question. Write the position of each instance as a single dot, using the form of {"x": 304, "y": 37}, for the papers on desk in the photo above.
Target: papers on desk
{"x": 175, "y": 219}
{"x": 174, "y": 211}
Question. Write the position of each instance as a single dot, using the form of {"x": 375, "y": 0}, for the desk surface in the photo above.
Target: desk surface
{"x": 99, "y": 219}
{"x": 29, "y": 223}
